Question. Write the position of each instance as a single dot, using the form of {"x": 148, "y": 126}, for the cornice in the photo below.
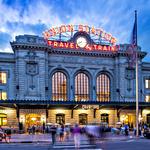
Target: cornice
{"x": 82, "y": 53}
{"x": 50, "y": 50}
{"x": 19, "y": 46}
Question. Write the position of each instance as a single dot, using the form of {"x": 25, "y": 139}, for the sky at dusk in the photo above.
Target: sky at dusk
{"x": 18, "y": 17}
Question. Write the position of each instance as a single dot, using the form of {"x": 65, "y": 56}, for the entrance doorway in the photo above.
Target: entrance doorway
{"x": 105, "y": 118}
{"x": 83, "y": 119}
{"x": 148, "y": 119}
{"x": 60, "y": 118}
{"x": 33, "y": 119}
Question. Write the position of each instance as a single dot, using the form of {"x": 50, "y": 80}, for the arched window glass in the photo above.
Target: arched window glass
{"x": 3, "y": 119}
{"x": 59, "y": 87}
{"x": 81, "y": 87}
{"x": 103, "y": 88}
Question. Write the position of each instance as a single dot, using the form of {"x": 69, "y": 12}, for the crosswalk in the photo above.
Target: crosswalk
{"x": 70, "y": 145}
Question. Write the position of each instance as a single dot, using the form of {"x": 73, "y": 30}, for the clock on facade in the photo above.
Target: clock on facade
{"x": 81, "y": 41}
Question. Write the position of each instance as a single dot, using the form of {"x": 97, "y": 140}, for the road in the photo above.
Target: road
{"x": 140, "y": 144}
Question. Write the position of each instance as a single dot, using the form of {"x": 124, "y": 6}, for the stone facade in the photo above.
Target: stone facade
{"x": 30, "y": 68}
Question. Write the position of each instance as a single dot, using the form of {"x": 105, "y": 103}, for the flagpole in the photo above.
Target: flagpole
{"x": 137, "y": 92}
{"x": 137, "y": 97}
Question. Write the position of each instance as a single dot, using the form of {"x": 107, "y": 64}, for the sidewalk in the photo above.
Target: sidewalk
{"x": 46, "y": 138}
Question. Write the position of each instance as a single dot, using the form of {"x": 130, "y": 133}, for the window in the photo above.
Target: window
{"x": 81, "y": 87}
{"x": 105, "y": 118}
{"x": 83, "y": 119}
{"x": 59, "y": 86}
{"x": 103, "y": 88}
{"x": 3, "y": 95}
{"x": 147, "y": 83}
{"x": 60, "y": 119}
{"x": 3, "y": 78}
{"x": 3, "y": 119}
{"x": 147, "y": 98}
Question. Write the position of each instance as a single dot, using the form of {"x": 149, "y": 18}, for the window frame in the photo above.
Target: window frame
{"x": 148, "y": 80}
{"x": 2, "y": 79}
{"x": 55, "y": 89}
{"x": 106, "y": 89}
{"x": 148, "y": 98}
{"x": 1, "y": 94}
{"x": 82, "y": 94}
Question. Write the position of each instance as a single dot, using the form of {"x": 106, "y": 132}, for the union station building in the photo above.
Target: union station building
{"x": 71, "y": 75}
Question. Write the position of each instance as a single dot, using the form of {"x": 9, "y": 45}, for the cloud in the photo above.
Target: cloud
{"x": 115, "y": 17}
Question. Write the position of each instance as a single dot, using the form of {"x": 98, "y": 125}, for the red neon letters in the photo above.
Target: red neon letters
{"x": 88, "y": 47}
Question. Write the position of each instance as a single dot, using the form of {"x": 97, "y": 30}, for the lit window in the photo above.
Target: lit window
{"x": 147, "y": 83}
{"x": 59, "y": 86}
{"x": 3, "y": 95}
{"x": 81, "y": 87}
{"x": 3, "y": 119}
{"x": 147, "y": 98}
{"x": 103, "y": 88}
{"x": 2, "y": 77}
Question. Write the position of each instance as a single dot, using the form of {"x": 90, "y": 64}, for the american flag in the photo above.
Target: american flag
{"x": 132, "y": 49}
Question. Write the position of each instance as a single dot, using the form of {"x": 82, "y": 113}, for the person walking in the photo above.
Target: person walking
{"x": 53, "y": 133}
{"x": 62, "y": 133}
{"x": 67, "y": 130}
{"x": 8, "y": 134}
{"x": 76, "y": 133}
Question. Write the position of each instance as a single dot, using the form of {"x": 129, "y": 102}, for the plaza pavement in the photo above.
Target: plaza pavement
{"x": 46, "y": 138}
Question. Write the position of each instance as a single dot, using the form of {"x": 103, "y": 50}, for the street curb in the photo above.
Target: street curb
{"x": 105, "y": 139}
{"x": 25, "y": 142}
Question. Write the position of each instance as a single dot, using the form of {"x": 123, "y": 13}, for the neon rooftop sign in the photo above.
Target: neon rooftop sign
{"x": 52, "y": 32}
{"x": 80, "y": 37}
{"x": 88, "y": 47}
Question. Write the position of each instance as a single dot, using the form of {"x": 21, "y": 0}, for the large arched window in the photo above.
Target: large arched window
{"x": 59, "y": 86}
{"x": 103, "y": 88}
{"x": 81, "y": 87}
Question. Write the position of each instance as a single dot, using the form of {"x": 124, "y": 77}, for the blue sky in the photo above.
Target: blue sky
{"x": 35, "y": 16}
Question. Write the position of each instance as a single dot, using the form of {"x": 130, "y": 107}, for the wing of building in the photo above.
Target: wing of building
{"x": 71, "y": 82}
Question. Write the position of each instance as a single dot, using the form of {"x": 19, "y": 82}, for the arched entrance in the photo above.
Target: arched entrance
{"x": 33, "y": 119}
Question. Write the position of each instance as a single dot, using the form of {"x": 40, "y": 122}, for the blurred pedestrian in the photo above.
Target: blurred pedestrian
{"x": 2, "y": 134}
{"x": 67, "y": 131}
{"x": 33, "y": 129}
{"x": 76, "y": 133}
{"x": 53, "y": 133}
{"x": 8, "y": 134}
{"x": 62, "y": 133}
{"x": 126, "y": 130}
{"x": 43, "y": 127}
